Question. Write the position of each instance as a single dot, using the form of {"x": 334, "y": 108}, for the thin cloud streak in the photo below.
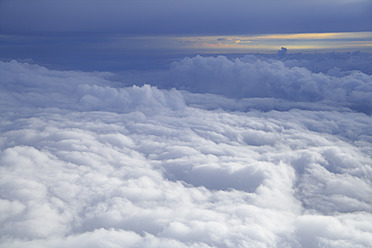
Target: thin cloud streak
{"x": 314, "y": 36}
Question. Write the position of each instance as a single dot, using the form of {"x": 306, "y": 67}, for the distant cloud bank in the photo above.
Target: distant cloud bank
{"x": 251, "y": 76}
{"x": 215, "y": 152}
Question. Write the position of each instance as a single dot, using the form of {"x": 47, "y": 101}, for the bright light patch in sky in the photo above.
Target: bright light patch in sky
{"x": 271, "y": 42}
{"x": 249, "y": 43}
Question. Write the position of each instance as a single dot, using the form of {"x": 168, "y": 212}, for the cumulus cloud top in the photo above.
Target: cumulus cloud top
{"x": 35, "y": 86}
{"x": 251, "y": 76}
{"x": 86, "y": 163}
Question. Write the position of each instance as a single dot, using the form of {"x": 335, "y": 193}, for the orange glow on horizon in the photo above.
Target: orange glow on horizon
{"x": 252, "y": 43}
{"x": 312, "y": 36}
{"x": 304, "y": 41}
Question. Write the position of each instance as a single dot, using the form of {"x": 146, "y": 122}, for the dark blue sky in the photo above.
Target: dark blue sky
{"x": 180, "y": 17}
{"x": 128, "y": 33}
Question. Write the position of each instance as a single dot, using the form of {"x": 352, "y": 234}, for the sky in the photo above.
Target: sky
{"x": 124, "y": 34}
{"x": 177, "y": 17}
{"x": 171, "y": 123}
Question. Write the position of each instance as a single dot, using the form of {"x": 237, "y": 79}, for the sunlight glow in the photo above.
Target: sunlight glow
{"x": 301, "y": 41}
{"x": 269, "y": 43}
{"x": 313, "y": 36}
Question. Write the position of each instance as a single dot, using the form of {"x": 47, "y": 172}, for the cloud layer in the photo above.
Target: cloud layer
{"x": 252, "y": 76}
{"x": 86, "y": 163}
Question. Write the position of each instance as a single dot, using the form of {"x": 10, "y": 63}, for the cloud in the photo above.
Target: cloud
{"x": 251, "y": 76}
{"x": 86, "y": 163}
{"x": 334, "y": 64}
{"x": 36, "y": 86}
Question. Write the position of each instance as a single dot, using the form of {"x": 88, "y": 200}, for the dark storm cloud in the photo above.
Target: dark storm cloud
{"x": 184, "y": 17}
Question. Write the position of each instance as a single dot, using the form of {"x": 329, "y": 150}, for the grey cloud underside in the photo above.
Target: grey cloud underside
{"x": 85, "y": 163}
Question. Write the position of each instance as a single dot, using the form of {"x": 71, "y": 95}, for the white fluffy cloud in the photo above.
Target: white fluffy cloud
{"x": 252, "y": 76}
{"x": 336, "y": 64}
{"x": 84, "y": 163}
